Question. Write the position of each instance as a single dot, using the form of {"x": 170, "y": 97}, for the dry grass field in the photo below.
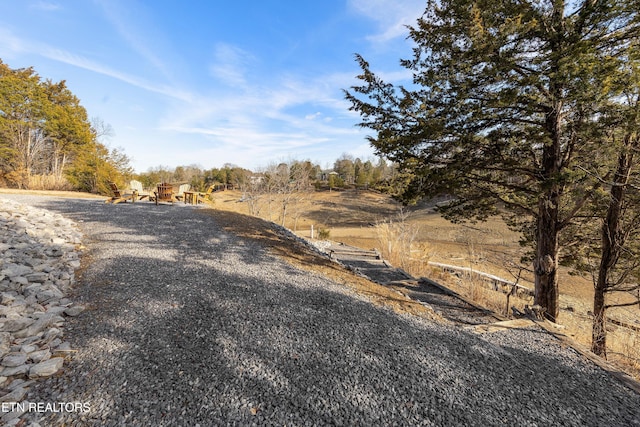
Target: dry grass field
{"x": 366, "y": 219}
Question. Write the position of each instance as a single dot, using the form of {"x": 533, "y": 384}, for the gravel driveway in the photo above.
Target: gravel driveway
{"x": 191, "y": 325}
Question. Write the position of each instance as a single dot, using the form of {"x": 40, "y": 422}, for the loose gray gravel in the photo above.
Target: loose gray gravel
{"x": 190, "y": 325}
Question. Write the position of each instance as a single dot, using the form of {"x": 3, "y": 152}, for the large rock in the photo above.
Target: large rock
{"x": 17, "y": 324}
{"x": 14, "y": 270}
{"x": 5, "y": 343}
{"x": 39, "y": 325}
{"x": 46, "y": 368}
{"x": 37, "y": 263}
{"x": 40, "y": 355}
{"x": 15, "y": 370}
{"x": 16, "y": 395}
{"x": 74, "y": 311}
{"x": 14, "y": 359}
{"x": 37, "y": 277}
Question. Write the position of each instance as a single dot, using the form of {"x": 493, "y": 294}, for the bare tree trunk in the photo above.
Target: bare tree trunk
{"x": 285, "y": 203}
{"x": 547, "y": 228}
{"x": 612, "y": 244}
{"x": 599, "y": 331}
{"x": 546, "y": 262}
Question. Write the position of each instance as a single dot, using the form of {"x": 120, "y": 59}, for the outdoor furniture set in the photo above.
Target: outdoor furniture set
{"x": 163, "y": 193}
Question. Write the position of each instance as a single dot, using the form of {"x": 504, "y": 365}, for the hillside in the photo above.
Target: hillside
{"x": 351, "y": 217}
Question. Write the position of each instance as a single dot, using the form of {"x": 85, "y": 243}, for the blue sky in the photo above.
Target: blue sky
{"x": 182, "y": 82}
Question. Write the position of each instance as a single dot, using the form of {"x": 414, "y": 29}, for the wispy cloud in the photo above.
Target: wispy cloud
{"x": 241, "y": 111}
{"x": 10, "y": 43}
{"x": 392, "y": 16}
{"x": 122, "y": 15}
{"x": 230, "y": 64}
{"x": 82, "y": 62}
{"x": 297, "y": 105}
{"x": 266, "y": 121}
{"x": 44, "y": 5}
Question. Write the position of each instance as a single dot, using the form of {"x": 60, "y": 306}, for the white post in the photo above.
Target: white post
{"x": 312, "y": 231}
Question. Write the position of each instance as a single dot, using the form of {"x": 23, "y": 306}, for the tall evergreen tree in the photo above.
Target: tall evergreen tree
{"x": 502, "y": 111}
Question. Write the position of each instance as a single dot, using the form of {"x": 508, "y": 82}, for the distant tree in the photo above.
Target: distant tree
{"x": 287, "y": 183}
{"x": 93, "y": 170}
{"x": 302, "y": 175}
{"x": 179, "y": 174}
{"x": 216, "y": 176}
{"x": 344, "y": 166}
{"x": 191, "y": 174}
{"x": 501, "y": 112}
{"x": 156, "y": 175}
{"x": 335, "y": 181}
{"x": 253, "y": 192}
{"x": 278, "y": 189}
{"x": 305, "y": 168}
{"x": 236, "y": 176}
{"x": 382, "y": 173}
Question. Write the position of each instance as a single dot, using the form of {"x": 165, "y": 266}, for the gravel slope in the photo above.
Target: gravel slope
{"x": 189, "y": 325}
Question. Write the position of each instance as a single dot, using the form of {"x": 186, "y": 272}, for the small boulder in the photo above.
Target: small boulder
{"x": 74, "y": 311}
{"x": 46, "y": 368}
{"x": 12, "y": 360}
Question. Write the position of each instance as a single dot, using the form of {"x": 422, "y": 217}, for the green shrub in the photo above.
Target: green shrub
{"x": 323, "y": 234}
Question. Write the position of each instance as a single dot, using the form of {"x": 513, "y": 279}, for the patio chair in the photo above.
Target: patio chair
{"x": 118, "y": 195}
{"x": 195, "y": 197}
{"x": 181, "y": 190}
{"x": 138, "y": 191}
{"x": 164, "y": 193}
{"x": 202, "y": 196}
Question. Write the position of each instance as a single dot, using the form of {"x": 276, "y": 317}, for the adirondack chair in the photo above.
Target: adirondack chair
{"x": 195, "y": 197}
{"x": 181, "y": 189}
{"x": 118, "y": 195}
{"x": 138, "y": 191}
{"x": 164, "y": 193}
{"x": 202, "y": 196}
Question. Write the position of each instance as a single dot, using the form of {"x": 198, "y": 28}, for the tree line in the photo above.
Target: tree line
{"x": 346, "y": 172}
{"x": 529, "y": 110}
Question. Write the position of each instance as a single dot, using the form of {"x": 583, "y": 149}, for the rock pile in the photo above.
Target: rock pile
{"x": 38, "y": 257}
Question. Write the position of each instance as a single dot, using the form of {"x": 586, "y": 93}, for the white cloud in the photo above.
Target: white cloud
{"x": 10, "y": 44}
{"x": 122, "y": 17}
{"x": 392, "y": 16}
{"x": 44, "y": 5}
{"x": 82, "y": 62}
{"x": 230, "y": 64}
{"x": 313, "y": 116}
{"x": 266, "y": 123}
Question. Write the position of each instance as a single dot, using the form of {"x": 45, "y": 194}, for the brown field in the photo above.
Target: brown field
{"x": 354, "y": 218}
